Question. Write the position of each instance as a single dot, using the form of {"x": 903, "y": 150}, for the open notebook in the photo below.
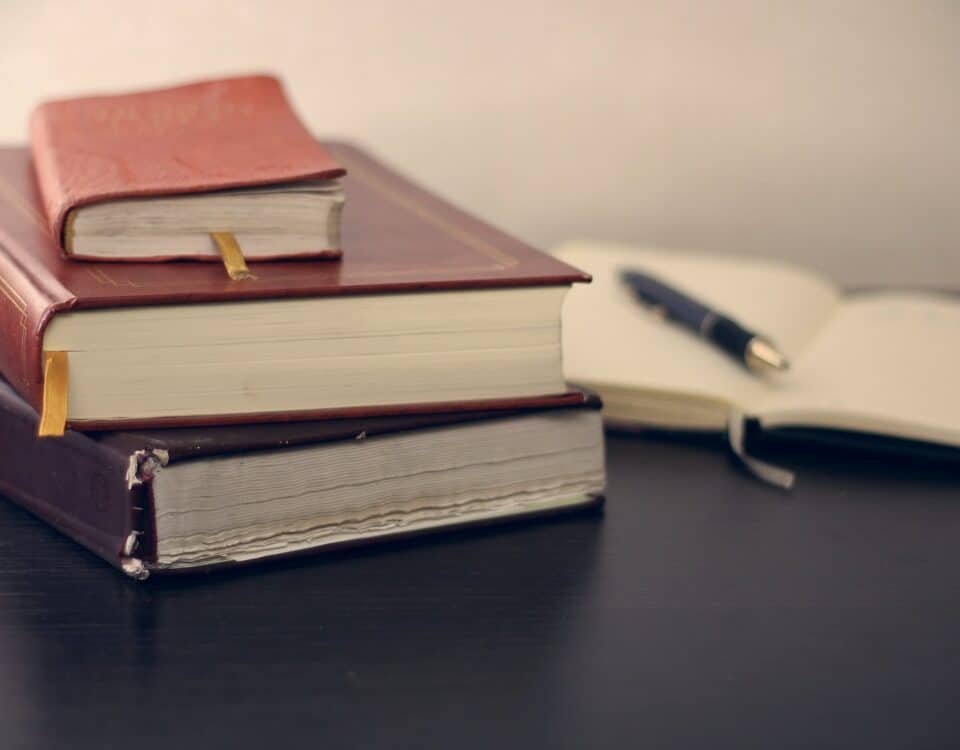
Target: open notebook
{"x": 878, "y": 362}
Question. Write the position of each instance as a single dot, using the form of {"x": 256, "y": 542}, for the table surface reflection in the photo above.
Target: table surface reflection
{"x": 699, "y": 609}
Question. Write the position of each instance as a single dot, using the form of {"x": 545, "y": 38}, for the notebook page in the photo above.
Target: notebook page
{"x": 887, "y": 362}
{"x": 614, "y": 344}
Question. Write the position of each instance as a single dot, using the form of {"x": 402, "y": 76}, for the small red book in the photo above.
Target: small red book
{"x": 430, "y": 310}
{"x": 149, "y": 175}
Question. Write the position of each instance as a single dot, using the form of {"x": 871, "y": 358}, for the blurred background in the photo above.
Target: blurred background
{"x": 822, "y": 132}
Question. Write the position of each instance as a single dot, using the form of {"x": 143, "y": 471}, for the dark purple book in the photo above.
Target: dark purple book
{"x": 188, "y": 499}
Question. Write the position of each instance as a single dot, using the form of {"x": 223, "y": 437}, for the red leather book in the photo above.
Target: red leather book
{"x": 188, "y": 499}
{"x": 404, "y": 245}
{"x": 197, "y": 138}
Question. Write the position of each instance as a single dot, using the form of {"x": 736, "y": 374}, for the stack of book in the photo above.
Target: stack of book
{"x": 388, "y": 364}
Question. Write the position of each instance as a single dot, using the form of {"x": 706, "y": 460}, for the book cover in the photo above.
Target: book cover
{"x": 97, "y": 488}
{"x": 200, "y": 137}
{"x": 398, "y": 238}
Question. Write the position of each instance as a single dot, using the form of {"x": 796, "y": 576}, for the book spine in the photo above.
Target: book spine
{"x": 20, "y": 325}
{"x": 29, "y": 293}
{"x": 77, "y": 485}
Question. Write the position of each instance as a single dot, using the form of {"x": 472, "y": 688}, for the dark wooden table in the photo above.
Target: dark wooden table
{"x": 701, "y": 610}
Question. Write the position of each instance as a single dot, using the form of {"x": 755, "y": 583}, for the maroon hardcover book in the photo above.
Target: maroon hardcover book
{"x": 99, "y": 488}
{"x": 199, "y": 137}
{"x": 397, "y": 238}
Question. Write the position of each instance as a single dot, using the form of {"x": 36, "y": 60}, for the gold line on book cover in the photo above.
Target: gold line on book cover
{"x": 10, "y": 293}
{"x": 101, "y": 276}
{"x": 502, "y": 259}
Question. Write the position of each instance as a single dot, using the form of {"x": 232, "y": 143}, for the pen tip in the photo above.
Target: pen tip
{"x": 762, "y": 355}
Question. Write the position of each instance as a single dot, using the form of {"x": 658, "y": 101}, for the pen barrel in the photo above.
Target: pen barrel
{"x": 674, "y": 303}
{"x": 727, "y": 335}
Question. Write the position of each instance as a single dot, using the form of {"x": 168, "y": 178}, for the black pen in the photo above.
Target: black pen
{"x": 753, "y": 350}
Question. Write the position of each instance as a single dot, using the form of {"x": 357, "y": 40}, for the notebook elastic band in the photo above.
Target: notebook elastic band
{"x": 232, "y": 256}
{"x": 53, "y": 417}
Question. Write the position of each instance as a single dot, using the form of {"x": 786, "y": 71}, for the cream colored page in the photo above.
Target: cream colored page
{"x": 886, "y": 363}
{"x": 610, "y": 340}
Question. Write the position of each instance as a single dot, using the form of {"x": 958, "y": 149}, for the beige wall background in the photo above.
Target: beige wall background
{"x": 823, "y": 132}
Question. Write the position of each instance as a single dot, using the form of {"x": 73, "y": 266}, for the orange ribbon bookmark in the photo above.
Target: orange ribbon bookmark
{"x": 53, "y": 416}
{"x": 232, "y": 256}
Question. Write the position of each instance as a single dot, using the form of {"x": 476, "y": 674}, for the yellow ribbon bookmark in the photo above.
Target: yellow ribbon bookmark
{"x": 232, "y": 256}
{"x": 53, "y": 417}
